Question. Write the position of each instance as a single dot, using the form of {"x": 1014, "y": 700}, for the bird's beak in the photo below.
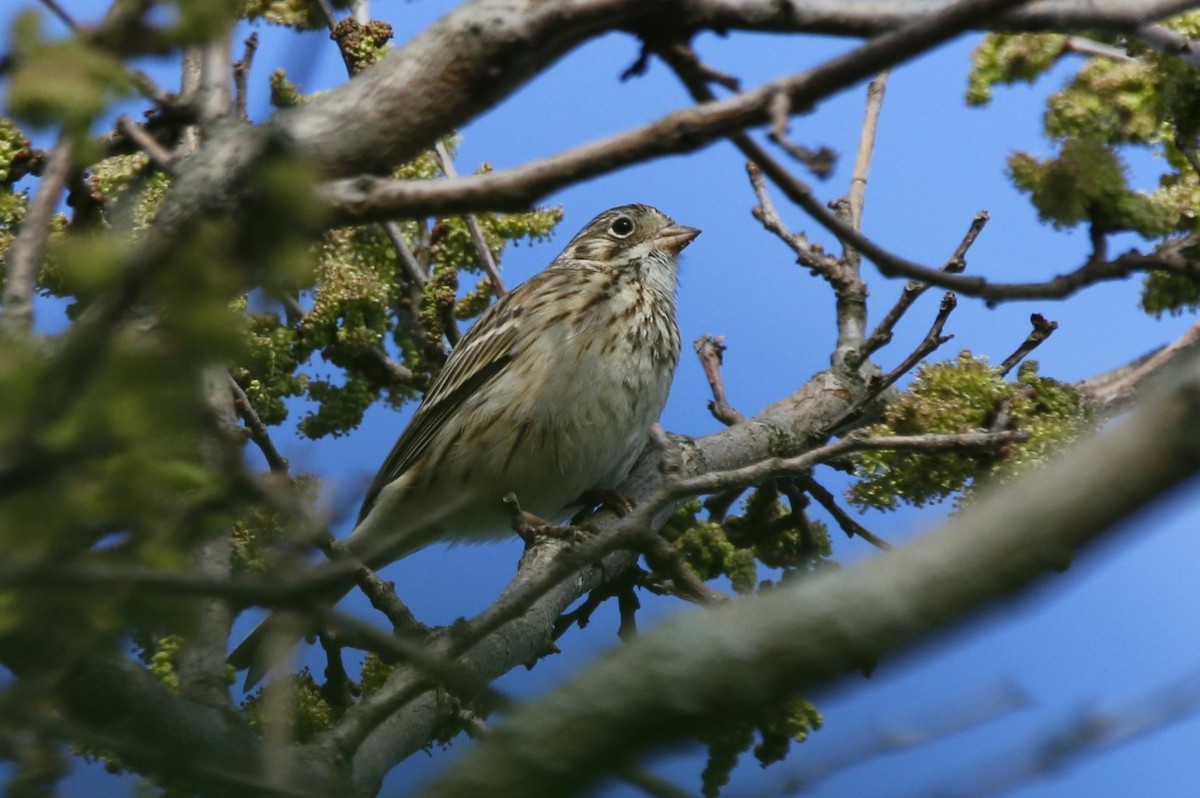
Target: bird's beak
{"x": 675, "y": 237}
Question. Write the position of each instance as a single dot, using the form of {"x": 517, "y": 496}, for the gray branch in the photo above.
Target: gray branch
{"x": 693, "y": 672}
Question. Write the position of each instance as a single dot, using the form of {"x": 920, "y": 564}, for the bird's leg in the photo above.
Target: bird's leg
{"x": 598, "y": 499}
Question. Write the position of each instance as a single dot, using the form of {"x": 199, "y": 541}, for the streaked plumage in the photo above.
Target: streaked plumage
{"x": 550, "y": 395}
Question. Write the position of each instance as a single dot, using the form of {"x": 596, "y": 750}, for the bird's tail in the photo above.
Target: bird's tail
{"x": 284, "y": 629}
{"x": 273, "y": 640}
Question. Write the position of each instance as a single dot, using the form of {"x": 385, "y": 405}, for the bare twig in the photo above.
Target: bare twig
{"x": 932, "y": 340}
{"x": 820, "y": 162}
{"x": 257, "y": 429}
{"x": 1090, "y": 47}
{"x": 812, "y": 256}
{"x": 241, "y": 73}
{"x": 667, "y": 560}
{"x": 711, "y": 351}
{"x": 958, "y": 261}
{"x": 881, "y": 336}
{"x": 486, "y": 260}
{"x": 1084, "y": 735}
{"x": 844, "y": 520}
{"x": 326, "y": 13}
{"x": 965, "y": 714}
{"x": 408, "y": 261}
{"x": 381, "y": 593}
{"x": 29, "y": 248}
{"x": 801, "y": 464}
{"x": 866, "y": 147}
{"x": 63, "y": 16}
{"x": 1042, "y": 329}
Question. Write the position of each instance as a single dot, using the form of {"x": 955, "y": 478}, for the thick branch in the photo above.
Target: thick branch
{"x": 366, "y": 199}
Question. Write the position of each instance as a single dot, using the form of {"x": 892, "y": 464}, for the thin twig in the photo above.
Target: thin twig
{"x": 381, "y": 592}
{"x": 1090, "y": 47}
{"x": 408, "y": 261}
{"x": 257, "y": 429}
{"x": 881, "y": 336}
{"x": 866, "y": 147}
{"x": 241, "y": 73}
{"x": 844, "y": 520}
{"x": 28, "y": 249}
{"x": 711, "y": 351}
{"x": 1085, "y": 734}
{"x": 812, "y": 256}
{"x": 932, "y": 340}
{"x": 326, "y": 13}
{"x": 665, "y": 559}
{"x": 820, "y": 162}
{"x": 63, "y": 16}
{"x": 958, "y": 261}
{"x": 1042, "y": 329}
{"x": 486, "y": 260}
{"x": 941, "y": 722}
{"x": 801, "y": 464}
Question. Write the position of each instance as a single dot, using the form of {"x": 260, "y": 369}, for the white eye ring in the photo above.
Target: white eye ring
{"x": 622, "y": 227}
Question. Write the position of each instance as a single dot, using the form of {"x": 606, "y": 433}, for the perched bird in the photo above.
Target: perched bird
{"x": 550, "y": 395}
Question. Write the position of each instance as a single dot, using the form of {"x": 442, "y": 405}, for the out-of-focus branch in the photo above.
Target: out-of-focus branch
{"x": 944, "y": 720}
{"x": 1116, "y": 388}
{"x": 1083, "y": 736}
{"x": 866, "y": 148}
{"x": 27, "y": 251}
{"x": 486, "y": 261}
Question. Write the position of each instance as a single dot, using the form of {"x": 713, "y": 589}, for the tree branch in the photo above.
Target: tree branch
{"x": 367, "y": 198}
{"x": 28, "y": 250}
{"x": 804, "y": 636}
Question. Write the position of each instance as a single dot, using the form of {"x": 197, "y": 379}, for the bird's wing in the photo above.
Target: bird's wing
{"x": 481, "y": 354}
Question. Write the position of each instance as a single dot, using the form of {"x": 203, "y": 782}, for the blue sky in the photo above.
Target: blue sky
{"x": 1120, "y": 621}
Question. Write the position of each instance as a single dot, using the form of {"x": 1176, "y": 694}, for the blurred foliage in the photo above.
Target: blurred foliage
{"x": 1174, "y": 294}
{"x": 1148, "y": 100}
{"x": 65, "y": 83}
{"x": 770, "y": 735}
{"x": 298, "y": 14}
{"x": 310, "y": 712}
{"x": 959, "y": 396}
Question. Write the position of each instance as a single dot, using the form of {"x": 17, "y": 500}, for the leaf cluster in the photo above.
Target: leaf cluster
{"x": 1147, "y": 100}
{"x": 958, "y": 396}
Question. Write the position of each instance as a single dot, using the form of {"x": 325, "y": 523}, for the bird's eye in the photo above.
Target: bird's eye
{"x": 622, "y": 227}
